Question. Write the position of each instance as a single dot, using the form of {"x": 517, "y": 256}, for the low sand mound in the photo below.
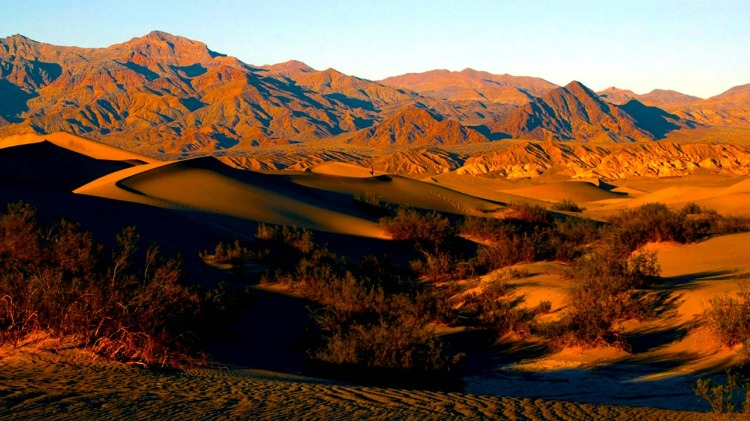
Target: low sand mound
{"x": 731, "y": 199}
{"x": 578, "y": 191}
{"x": 38, "y": 384}
{"x": 83, "y": 146}
{"x": 400, "y": 190}
{"x": 342, "y": 169}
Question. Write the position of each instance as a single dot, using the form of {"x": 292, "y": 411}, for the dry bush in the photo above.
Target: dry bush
{"x": 607, "y": 291}
{"x": 506, "y": 250}
{"x": 57, "y": 279}
{"x": 495, "y": 309}
{"x": 569, "y": 239}
{"x": 567, "y": 205}
{"x": 364, "y": 325}
{"x": 529, "y": 213}
{"x": 633, "y": 228}
{"x": 429, "y": 230}
{"x": 723, "y": 397}
{"x": 729, "y": 317}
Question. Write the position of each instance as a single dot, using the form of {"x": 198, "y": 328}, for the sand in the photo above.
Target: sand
{"x": 83, "y": 146}
{"x": 668, "y": 354}
{"x": 37, "y": 383}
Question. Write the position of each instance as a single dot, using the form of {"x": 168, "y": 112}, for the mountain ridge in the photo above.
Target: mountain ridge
{"x": 168, "y": 96}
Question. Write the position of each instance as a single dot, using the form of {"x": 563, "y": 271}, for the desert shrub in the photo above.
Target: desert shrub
{"x": 729, "y": 317}
{"x": 233, "y": 253}
{"x": 496, "y": 310}
{"x": 486, "y": 229}
{"x": 530, "y": 213}
{"x": 435, "y": 267}
{"x": 56, "y": 279}
{"x": 280, "y": 249}
{"x": 633, "y": 228}
{"x": 429, "y": 230}
{"x": 606, "y": 292}
{"x": 569, "y": 239}
{"x": 364, "y": 324}
{"x": 567, "y": 205}
{"x": 506, "y": 250}
{"x": 723, "y": 397}
{"x": 544, "y": 307}
{"x": 652, "y": 222}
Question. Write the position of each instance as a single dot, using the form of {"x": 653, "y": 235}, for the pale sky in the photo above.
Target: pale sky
{"x": 695, "y": 47}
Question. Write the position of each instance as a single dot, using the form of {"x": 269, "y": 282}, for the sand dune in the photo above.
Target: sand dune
{"x": 321, "y": 201}
{"x": 667, "y": 355}
{"x": 725, "y": 195}
{"x": 83, "y": 146}
{"x": 578, "y": 191}
{"x": 205, "y": 184}
{"x": 342, "y": 169}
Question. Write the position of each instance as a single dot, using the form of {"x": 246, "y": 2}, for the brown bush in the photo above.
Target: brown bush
{"x": 431, "y": 228}
{"x": 58, "y": 280}
{"x": 729, "y": 317}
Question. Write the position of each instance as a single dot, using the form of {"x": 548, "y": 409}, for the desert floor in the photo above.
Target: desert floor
{"x": 197, "y": 202}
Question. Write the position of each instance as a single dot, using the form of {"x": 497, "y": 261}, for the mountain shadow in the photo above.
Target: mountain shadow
{"x": 13, "y": 101}
{"x": 489, "y": 134}
{"x": 652, "y": 119}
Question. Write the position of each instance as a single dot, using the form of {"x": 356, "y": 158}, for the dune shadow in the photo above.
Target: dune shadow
{"x": 602, "y": 185}
{"x": 269, "y": 334}
{"x": 690, "y": 281}
{"x": 646, "y": 340}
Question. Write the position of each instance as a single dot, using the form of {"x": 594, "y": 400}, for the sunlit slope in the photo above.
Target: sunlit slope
{"x": 312, "y": 200}
{"x": 395, "y": 189}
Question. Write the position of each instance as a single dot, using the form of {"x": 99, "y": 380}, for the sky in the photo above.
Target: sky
{"x": 695, "y": 47}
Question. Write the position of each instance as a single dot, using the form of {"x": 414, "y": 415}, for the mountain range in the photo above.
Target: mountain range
{"x": 169, "y": 96}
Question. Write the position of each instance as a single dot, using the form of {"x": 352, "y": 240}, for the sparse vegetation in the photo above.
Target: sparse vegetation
{"x": 378, "y": 314}
{"x": 57, "y": 280}
{"x": 724, "y": 397}
{"x": 607, "y": 291}
{"x": 729, "y": 317}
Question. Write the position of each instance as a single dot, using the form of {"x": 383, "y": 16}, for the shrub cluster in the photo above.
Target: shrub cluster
{"x": 56, "y": 279}
{"x": 371, "y": 314}
{"x": 429, "y": 230}
{"x": 723, "y": 397}
{"x": 655, "y": 222}
{"x": 608, "y": 289}
{"x": 730, "y": 317}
